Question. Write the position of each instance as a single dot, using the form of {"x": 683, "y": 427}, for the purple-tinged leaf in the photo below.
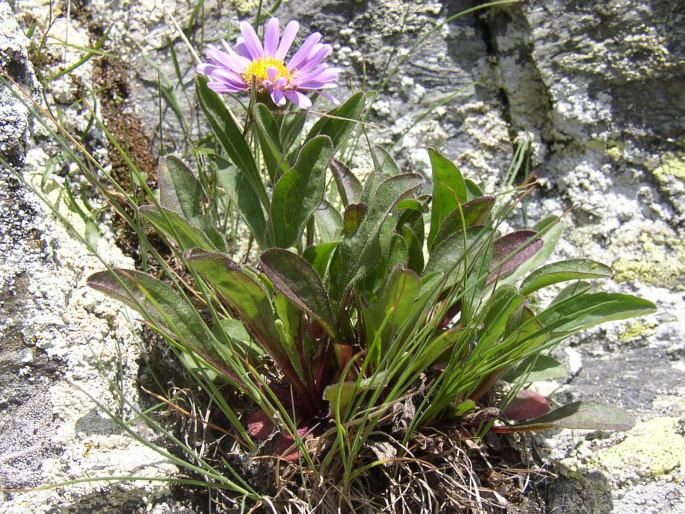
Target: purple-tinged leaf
{"x": 512, "y": 250}
{"x": 527, "y": 405}
{"x": 249, "y": 300}
{"x": 349, "y": 187}
{"x": 578, "y": 416}
{"x": 259, "y": 425}
{"x": 298, "y": 281}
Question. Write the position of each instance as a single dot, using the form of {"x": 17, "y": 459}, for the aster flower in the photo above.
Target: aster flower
{"x": 232, "y": 71}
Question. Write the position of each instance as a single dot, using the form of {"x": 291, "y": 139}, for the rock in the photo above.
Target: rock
{"x": 596, "y": 87}
{"x": 64, "y": 347}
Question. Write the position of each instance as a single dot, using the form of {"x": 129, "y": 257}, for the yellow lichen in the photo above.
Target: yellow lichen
{"x": 662, "y": 265}
{"x": 637, "y": 330}
{"x": 652, "y": 448}
{"x": 672, "y": 165}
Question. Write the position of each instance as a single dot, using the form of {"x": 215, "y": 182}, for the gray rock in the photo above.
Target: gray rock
{"x": 597, "y": 87}
{"x": 60, "y": 341}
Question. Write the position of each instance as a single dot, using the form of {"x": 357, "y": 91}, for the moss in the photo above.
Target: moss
{"x": 637, "y": 330}
{"x": 651, "y": 449}
{"x": 662, "y": 263}
{"x": 672, "y": 166}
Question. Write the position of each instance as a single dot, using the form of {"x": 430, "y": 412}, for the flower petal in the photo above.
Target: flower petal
{"x": 235, "y": 63}
{"x": 271, "y": 35}
{"x": 289, "y": 34}
{"x": 252, "y": 43}
{"x": 315, "y": 57}
{"x": 278, "y": 97}
{"x": 298, "y": 99}
{"x": 304, "y": 50}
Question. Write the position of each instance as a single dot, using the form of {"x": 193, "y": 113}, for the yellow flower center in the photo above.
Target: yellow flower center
{"x": 258, "y": 67}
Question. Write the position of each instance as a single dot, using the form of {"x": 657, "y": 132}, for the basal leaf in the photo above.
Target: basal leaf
{"x": 248, "y": 299}
{"x": 536, "y": 368}
{"x": 177, "y": 228}
{"x": 180, "y": 191}
{"x": 349, "y": 187}
{"x": 299, "y": 192}
{"x": 298, "y": 281}
{"x": 386, "y": 164}
{"x": 165, "y": 309}
{"x": 449, "y": 190}
{"x": 243, "y": 194}
{"x": 512, "y": 250}
{"x": 358, "y": 253}
{"x": 329, "y": 222}
{"x": 587, "y": 310}
{"x": 319, "y": 256}
{"x": 574, "y": 269}
{"x": 353, "y": 217}
{"x": 578, "y": 415}
{"x": 472, "y": 213}
{"x": 527, "y": 405}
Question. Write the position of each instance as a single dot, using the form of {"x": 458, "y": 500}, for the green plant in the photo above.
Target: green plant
{"x": 356, "y": 304}
{"x": 361, "y": 296}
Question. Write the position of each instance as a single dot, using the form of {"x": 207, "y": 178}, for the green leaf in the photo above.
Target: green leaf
{"x": 587, "y": 310}
{"x": 179, "y": 190}
{"x": 181, "y": 193}
{"x": 230, "y": 136}
{"x": 353, "y": 217}
{"x": 578, "y": 416}
{"x": 415, "y": 249}
{"x": 240, "y": 339}
{"x": 299, "y": 192}
{"x": 358, "y": 253}
{"x": 243, "y": 194}
{"x": 162, "y": 307}
{"x": 497, "y": 311}
{"x": 386, "y": 163}
{"x": 449, "y": 190}
{"x": 329, "y": 221}
{"x": 339, "y": 122}
{"x": 450, "y": 256}
{"x": 536, "y": 368}
{"x": 574, "y": 269}
{"x": 349, "y": 187}
{"x": 384, "y": 317}
{"x": 472, "y": 213}
{"x": 298, "y": 281}
{"x": 340, "y": 395}
{"x": 177, "y": 228}
{"x": 319, "y": 256}
{"x": 574, "y": 289}
{"x": 472, "y": 189}
{"x": 267, "y": 131}
{"x": 249, "y": 301}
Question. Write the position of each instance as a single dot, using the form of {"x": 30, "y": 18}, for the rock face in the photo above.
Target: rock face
{"x": 598, "y": 88}
{"x": 62, "y": 345}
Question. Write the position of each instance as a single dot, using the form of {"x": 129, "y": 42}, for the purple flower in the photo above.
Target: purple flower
{"x": 230, "y": 71}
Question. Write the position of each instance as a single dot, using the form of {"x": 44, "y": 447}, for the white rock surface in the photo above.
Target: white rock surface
{"x": 61, "y": 342}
